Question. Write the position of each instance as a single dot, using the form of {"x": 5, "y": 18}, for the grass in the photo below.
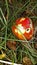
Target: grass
{"x": 8, "y": 36}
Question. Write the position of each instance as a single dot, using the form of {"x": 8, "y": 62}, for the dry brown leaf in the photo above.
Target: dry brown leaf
{"x": 27, "y": 61}
{"x": 11, "y": 45}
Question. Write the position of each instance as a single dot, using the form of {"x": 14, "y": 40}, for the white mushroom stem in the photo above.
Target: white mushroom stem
{"x": 6, "y": 62}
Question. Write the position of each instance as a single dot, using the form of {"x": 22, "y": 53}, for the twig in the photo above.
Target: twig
{"x": 6, "y": 62}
